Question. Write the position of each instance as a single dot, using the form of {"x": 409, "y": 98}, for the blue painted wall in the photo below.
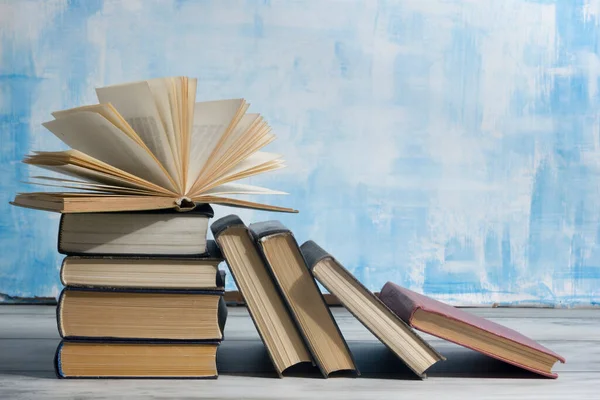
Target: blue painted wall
{"x": 449, "y": 146}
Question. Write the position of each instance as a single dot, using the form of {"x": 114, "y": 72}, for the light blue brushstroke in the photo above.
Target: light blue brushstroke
{"x": 370, "y": 102}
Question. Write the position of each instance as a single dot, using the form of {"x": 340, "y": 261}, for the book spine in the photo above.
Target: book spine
{"x": 59, "y": 306}
{"x": 220, "y": 279}
{"x": 57, "y": 361}
{"x": 62, "y": 271}
{"x": 313, "y": 253}
{"x": 222, "y": 224}
{"x": 401, "y": 305}
{"x": 60, "y": 232}
{"x": 222, "y": 316}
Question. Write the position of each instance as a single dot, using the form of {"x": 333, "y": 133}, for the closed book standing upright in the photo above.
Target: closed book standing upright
{"x": 469, "y": 330}
{"x": 273, "y": 322}
{"x": 303, "y": 297}
{"x": 369, "y": 310}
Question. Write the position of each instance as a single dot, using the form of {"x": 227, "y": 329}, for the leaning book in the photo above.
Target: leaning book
{"x": 149, "y": 145}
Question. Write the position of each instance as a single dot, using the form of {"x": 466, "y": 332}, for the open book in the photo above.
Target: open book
{"x": 149, "y": 145}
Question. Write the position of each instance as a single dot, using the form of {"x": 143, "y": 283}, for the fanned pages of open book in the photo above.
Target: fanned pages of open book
{"x": 148, "y": 145}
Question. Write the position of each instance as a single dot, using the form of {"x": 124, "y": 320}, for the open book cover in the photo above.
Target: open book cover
{"x": 149, "y": 145}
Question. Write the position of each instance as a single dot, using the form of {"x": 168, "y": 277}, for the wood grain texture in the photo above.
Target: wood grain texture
{"x": 28, "y": 338}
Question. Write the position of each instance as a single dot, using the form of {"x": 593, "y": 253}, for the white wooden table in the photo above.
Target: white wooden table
{"x": 28, "y": 339}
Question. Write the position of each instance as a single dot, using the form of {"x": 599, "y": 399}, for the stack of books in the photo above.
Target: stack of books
{"x": 277, "y": 279}
{"x": 136, "y": 304}
{"x": 144, "y": 295}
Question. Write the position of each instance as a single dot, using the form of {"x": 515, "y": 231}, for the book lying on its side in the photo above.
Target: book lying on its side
{"x": 468, "y": 330}
{"x": 141, "y": 314}
{"x": 145, "y": 272}
{"x": 162, "y": 232}
{"x": 369, "y": 310}
{"x": 92, "y": 359}
{"x": 149, "y": 145}
{"x": 303, "y": 297}
{"x": 273, "y": 322}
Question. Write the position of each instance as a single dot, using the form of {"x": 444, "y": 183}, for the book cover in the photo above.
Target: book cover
{"x": 405, "y": 303}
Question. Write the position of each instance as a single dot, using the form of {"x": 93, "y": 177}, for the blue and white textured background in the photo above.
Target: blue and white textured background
{"x": 449, "y": 146}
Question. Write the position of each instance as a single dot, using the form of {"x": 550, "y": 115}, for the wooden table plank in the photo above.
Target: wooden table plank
{"x": 569, "y": 386}
{"x": 28, "y": 339}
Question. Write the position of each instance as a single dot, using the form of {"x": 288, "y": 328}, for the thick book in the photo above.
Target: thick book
{"x": 405, "y": 343}
{"x": 149, "y": 145}
{"x": 145, "y": 272}
{"x": 148, "y": 233}
{"x": 303, "y": 297}
{"x": 468, "y": 330}
{"x": 130, "y": 314}
{"x": 174, "y": 360}
{"x": 266, "y": 307}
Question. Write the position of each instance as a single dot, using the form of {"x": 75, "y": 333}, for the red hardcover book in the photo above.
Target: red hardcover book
{"x": 468, "y": 330}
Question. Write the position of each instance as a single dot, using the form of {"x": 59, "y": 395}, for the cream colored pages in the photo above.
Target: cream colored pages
{"x": 61, "y": 182}
{"x": 95, "y": 136}
{"x": 109, "y": 112}
{"x": 135, "y": 102}
{"x": 255, "y": 160}
{"x": 257, "y": 163}
{"x": 192, "y": 84}
{"x": 92, "y": 176}
{"x": 166, "y": 104}
{"x": 239, "y": 188}
{"x": 232, "y": 141}
{"x": 94, "y": 188}
{"x": 211, "y": 120}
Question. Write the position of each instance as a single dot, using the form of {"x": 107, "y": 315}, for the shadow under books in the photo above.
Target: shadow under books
{"x": 373, "y": 359}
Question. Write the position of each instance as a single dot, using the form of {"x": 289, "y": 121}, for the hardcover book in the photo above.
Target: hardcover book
{"x": 468, "y": 330}
{"x": 266, "y": 307}
{"x": 143, "y": 272}
{"x": 93, "y": 359}
{"x": 369, "y": 310}
{"x": 303, "y": 297}
{"x": 149, "y": 145}
{"x": 153, "y": 232}
{"x": 141, "y": 314}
